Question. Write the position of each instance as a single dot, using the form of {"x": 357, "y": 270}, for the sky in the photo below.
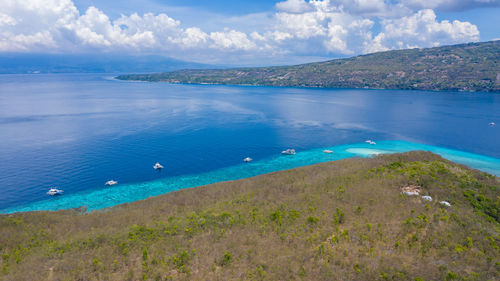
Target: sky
{"x": 257, "y": 32}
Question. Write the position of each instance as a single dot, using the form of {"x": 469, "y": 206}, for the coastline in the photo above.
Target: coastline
{"x": 430, "y": 69}
{"x": 414, "y": 90}
{"x": 125, "y": 193}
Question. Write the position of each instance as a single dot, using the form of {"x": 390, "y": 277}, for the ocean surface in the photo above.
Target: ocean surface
{"x": 77, "y": 131}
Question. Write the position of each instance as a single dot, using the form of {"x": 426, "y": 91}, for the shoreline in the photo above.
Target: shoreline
{"x": 102, "y": 198}
{"x": 116, "y": 78}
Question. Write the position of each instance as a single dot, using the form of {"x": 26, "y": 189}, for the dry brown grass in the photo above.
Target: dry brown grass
{"x": 343, "y": 220}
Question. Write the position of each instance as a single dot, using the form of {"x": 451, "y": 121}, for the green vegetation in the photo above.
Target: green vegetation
{"x": 342, "y": 220}
{"x": 466, "y": 67}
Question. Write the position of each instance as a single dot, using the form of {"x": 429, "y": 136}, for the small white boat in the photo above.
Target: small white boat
{"x": 492, "y": 124}
{"x": 248, "y": 159}
{"x": 327, "y": 151}
{"x": 111, "y": 182}
{"x": 158, "y": 166}
{"x": 370, "y": 142}
{"x": 288, "y": 152}
{"x": 55, "y": 191}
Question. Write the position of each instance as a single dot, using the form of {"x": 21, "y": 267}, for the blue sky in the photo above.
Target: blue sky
{"x": 224, "y": 7}
{"x": 255, "y": 32}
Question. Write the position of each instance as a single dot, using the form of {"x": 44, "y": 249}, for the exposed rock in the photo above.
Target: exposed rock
{"x": 411, "y": 190}
{"x": 427, "y": 198}
{"x": 445, "y": 203}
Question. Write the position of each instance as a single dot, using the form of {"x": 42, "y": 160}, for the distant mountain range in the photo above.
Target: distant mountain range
{"x": 90, "y": 63}
{"x": 464, "y": 67}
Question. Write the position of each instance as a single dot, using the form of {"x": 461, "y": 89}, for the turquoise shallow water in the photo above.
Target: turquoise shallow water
{"x": 78, "y": 131}
{"x": 123, "y": 193}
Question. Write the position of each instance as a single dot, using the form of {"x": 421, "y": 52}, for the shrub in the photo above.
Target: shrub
{"x": 312, "y": 220}
{"x": 338, "y": 216}
{"x": 375, "y": 246}
{"x": 357, "y": 269}
{"x": 451, "y": 276}
{"x": 181, "y": 261}
{"x": 395, "y": 165}
{"x": 226, "y": 259}
{"x": 483, "y": 204}
{"x": 277, "y": 217}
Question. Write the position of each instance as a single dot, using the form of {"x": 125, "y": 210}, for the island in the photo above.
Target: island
{"x": 464, "y": 67}
{"x": 409, "y": 216}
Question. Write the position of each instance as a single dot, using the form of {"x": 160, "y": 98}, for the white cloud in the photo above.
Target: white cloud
{"x": 364, "y": 7}
{"x": 7, "y": 20}
{"x": 21, "y": 42}
{"x": 449, "y": 5}
{"x": 298, "y": 27}
{"x": 302, "y": 26}
{"x": 421, "y": 29}
{"x": 356, "y": 7}
{"x": 345, "y": 26}
{"x": 150, "y": 31}
{"x": 294, "y": 6}
{"x": 47, "y": 25}
{"x": 231, "y": 40}
{"x": 384, "y": 8}
{"x": 278, "y": 36}
{"x": 192, "y": 37}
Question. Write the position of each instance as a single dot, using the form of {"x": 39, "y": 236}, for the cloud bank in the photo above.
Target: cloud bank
{"x": 296, "y": 27}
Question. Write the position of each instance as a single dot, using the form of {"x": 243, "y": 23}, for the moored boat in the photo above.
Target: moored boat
{"x": 55, "y": 191}
{"x": 158, "y": 166}
{"x": 288, "y": 152}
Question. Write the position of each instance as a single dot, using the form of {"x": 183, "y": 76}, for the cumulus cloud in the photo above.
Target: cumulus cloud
{"x": 21, "y": 42}
{"x": 422, "y": 29}
{"x": 314, "y": 27}
{"x": 345, "y": 26}
{"x": 303, "y": 25}
{"x": 7, "y": 20}
{"x": 192, "y": 37}
{"x": 384, "y": 7}
{"x": 231, "y": 40}
{"x": 450, "y": 5}
{"x": 48, "y": 24}
{"x": 355, "y": 7}
{"x": 294, "y": 6}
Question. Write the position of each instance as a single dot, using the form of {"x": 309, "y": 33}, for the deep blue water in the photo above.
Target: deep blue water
{"x": 78, "y": 131}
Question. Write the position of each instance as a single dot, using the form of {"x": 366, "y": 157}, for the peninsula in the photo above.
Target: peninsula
{"x": 464, "y": 67}
{"x": 410, "y": 216}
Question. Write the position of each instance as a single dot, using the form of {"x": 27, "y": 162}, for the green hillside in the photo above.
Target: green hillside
{"x": 343, "y": 220}
{"x": 466, "y": 67}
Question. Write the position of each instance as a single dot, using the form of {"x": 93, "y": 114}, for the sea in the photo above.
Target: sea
{"x": 77, "y": 131}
